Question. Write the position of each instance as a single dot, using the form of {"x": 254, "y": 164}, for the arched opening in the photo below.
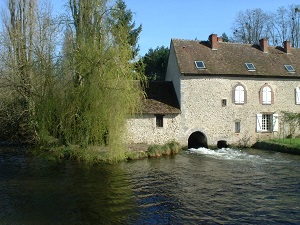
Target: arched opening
{"x": 197, "y": 140}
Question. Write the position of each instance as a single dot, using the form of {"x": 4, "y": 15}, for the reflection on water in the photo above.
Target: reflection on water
{"x": 198, "y": 186}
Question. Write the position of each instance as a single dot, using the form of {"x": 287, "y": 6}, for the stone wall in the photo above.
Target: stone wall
{"x": 202, "y": 110}
{"x": 143, "y": 129}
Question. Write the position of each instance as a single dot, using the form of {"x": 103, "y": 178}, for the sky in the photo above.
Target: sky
{"x": 163, "y": 20}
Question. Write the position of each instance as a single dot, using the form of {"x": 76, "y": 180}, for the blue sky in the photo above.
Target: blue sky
{"x": 186, "y": 19}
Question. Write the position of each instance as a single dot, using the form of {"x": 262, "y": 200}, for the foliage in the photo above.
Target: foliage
{"x": 122, "y": 18}
{"x": 169, "y": 148}
{"x": 291, "y": 142}
{"x": 156, "y": 62}
{"x": 81, "y": 97}
{"x": 292, "y": 120}
{"x": 96, "y": 154}
{"x": 225, "y": 37}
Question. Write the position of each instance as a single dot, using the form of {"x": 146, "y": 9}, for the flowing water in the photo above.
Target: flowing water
{"x": 198, "y": 186}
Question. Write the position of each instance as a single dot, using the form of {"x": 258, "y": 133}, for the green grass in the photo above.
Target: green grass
{"x": 291, "y": 142}
{"x": 95, "y": 154}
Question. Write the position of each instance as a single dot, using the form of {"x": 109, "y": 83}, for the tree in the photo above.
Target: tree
{"x": 104, "y": 93}
{"x": 250, "y": 26}
{"x": 156, "y": 62}
{"x": 122, "y": 17}
{"x": 284, "y": 24}
{"x": 27, "y": 61}
{"x": 225, "y": 37}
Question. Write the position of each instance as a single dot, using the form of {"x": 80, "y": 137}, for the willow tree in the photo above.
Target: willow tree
{"x": 103, "y": 93}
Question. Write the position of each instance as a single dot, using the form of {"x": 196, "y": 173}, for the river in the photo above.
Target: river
{"x": 198, "y": 186}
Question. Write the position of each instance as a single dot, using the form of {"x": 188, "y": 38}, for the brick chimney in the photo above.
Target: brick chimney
{"x": 287, "y": 47}
{"x": 213, "y": 39}
{"x": 264, "y": 44}
{"x": 220, "y": 39}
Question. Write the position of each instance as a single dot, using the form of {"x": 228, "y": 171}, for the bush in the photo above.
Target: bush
{"x": 169, "y": 148}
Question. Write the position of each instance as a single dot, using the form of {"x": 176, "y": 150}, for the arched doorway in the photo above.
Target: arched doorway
{"x": 197, "y": 140}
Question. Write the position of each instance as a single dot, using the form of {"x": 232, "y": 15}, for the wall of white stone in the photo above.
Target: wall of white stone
{"x": 142, "y": 129}
{"x": 202, "y": 109}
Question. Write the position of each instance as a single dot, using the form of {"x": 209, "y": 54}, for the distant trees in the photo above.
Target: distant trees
{"x": 156, "y": 62}
{"x": 252, "y": 25}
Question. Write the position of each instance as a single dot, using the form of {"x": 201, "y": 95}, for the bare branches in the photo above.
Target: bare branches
{"x": 284, "y": 24}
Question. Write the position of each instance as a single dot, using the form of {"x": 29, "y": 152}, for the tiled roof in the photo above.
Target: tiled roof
{"x": 160, "y": 98}
{"x": 230, "y": 58}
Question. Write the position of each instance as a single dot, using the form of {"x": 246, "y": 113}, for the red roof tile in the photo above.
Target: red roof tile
{"x": 230, "y": 58}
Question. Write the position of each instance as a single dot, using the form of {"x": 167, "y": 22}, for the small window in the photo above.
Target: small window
{"x": 290, "y": 68}
{"x": 224, "y": 102}
{"x": 250, "y": 66}
{"x": 200, "y": 65}
{"x": 159, "y": 120}
{"x": 237, "y": 126}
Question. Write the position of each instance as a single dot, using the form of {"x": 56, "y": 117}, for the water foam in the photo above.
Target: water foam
{"x": 225, "y": 153}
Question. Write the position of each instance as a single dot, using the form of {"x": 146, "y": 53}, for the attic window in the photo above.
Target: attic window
{"x": 200, "y": 65}
{"x": 290, "y": 68}
{"x": 250, "y": 66}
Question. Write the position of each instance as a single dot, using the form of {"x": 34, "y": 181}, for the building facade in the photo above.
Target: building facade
{"x": 229, "y": 92}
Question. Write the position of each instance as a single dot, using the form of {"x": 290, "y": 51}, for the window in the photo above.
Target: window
{"x": 200, "y": 65}
{"x": 224, "y": 102}
{"x": 297, "y": 95}
{"x": 250, "y": 66}
{"x": 266, "y": 95}
{"x": 159, "y": 120}
{"x": 290, "y": 68}
{"x": 267, "y": 122}
{"x": 237, "y": 126}
{"x": 239, "y": 94}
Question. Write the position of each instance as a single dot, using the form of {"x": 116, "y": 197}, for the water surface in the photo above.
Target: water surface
{"x": 199, "y": 186}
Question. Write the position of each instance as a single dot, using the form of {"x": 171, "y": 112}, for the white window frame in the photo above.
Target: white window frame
{"x": 266, "y": 95}
{"x": 250, "y": 66}
{"x": 297, "y": 96}
{"x": 200, "y": 67}
{"x": 290, "y": 68}
{"x": 266, "y": 122}
{"x": 239, "y": 94}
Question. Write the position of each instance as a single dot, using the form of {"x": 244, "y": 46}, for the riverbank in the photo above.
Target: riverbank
{"x": 97, "y": 154}
{"x": 272, "y": 145}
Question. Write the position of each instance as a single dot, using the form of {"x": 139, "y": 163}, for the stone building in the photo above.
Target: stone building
{"x": 217, "y": 91}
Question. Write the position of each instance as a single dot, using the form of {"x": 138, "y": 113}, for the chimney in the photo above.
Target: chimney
{"x": 220, "y": 39}
{"x": 264, "y": 45}
{"x": 213, "y": 39}
{"x": 287, "y": 47}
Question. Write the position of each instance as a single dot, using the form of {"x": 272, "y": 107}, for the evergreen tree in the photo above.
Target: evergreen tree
{"x": 122, "y": 17}
{"x": 156, "y": 62}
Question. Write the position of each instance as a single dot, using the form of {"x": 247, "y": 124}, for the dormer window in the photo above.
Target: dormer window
{"x": 290, "y": 68}
{"x": 200, "y": 65}
{"x": 250, "y": 66}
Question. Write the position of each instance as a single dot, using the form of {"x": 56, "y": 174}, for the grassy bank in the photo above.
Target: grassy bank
{"x": 287, "y": 145}
{"x": 95, "y": 154}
